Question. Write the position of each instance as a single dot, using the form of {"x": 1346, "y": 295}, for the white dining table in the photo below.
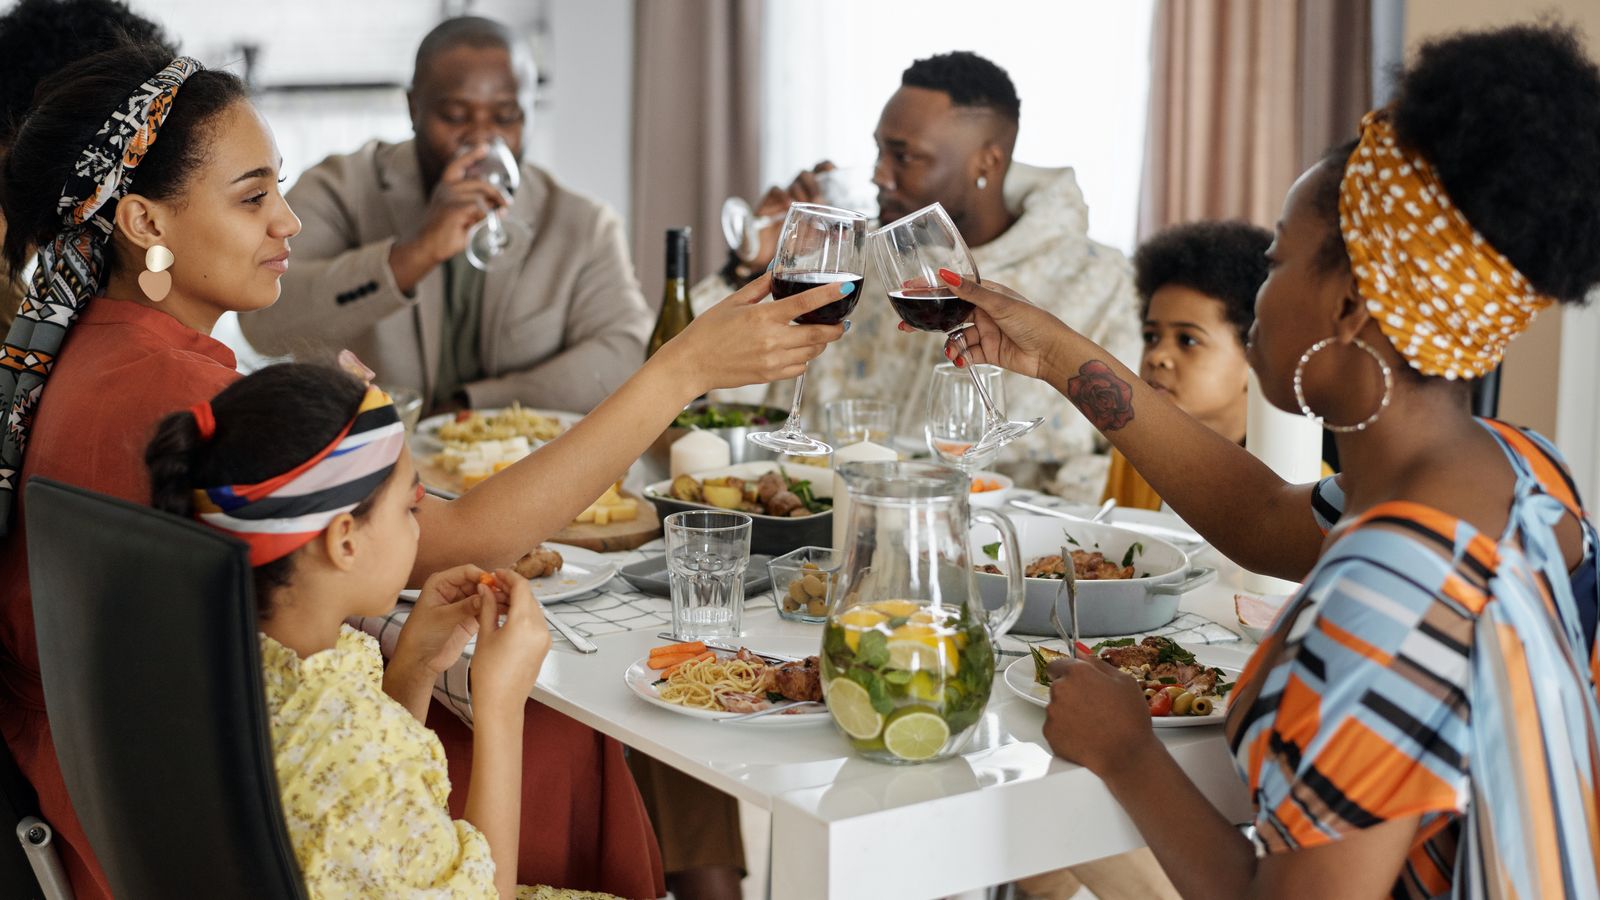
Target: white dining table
{"x": 846, "y": 827}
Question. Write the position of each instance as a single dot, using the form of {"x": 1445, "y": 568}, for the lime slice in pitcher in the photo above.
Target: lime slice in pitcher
{"x": 915, "y": 734}
{"x": 851, "y": 706}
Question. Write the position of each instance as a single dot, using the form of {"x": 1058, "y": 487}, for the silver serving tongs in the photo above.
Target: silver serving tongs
{"x": 1069, "y": 585}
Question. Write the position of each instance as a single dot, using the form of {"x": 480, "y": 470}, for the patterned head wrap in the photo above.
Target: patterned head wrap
{"x": 1446, "y": 299}
{"x": 280, "y": 515}
{"x": 71, "y": 268}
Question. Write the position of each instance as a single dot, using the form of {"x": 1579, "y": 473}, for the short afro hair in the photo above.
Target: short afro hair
{"x": 970, "y": 81}
{"x": 1226, "y": 261}
{"x": 39, "y": 38}
{"x": 1510, "y": 121}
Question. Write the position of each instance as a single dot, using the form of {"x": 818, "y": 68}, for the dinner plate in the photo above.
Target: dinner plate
{"x": 1019, "y": 678}
{"x": 426, "y": 436}
{"x": 641, "y": 679}
{"x": 582, "y": 572}
{"x": 425, "y": 445}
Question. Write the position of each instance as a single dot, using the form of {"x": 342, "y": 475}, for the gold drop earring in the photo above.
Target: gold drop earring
{"x": 156, "y": 281}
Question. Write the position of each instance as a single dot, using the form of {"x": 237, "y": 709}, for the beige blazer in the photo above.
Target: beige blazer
{"x": 563, "y": 325}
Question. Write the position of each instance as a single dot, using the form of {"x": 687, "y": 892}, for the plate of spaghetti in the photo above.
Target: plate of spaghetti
{"x": 707, "y": 684}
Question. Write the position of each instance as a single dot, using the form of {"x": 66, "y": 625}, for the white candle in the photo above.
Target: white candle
{"x": 1291, "y": 445}
{"x": 698, "y": 451}
{"x": 861, "y": 451}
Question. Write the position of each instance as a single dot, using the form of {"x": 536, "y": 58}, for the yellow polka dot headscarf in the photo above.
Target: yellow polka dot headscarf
{"x": 1446, "y": 299}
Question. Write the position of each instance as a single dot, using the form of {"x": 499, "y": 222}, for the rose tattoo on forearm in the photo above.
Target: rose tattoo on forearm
{"x": 1105, "y": 399}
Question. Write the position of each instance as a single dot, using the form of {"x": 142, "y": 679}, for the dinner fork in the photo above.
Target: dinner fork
{"x": 769, "y": 711}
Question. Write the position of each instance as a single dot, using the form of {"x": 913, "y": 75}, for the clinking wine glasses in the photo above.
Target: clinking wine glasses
{"x": 818, "y": 245}
{"x": 909, "y": 254}
{"x": 491, "y": 235}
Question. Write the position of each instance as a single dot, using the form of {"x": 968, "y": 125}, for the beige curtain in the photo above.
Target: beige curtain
{"x": 696, "y": 125}
{"x": 1244, "y": 94}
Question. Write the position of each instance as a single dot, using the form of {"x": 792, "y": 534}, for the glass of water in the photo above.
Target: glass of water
{"x": 855, "y": 420}
{"x": 707, "y": 553}
{"x": 956, "y": 420}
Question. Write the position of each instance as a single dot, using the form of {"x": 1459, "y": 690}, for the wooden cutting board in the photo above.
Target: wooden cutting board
{"x": 614, "y": 536}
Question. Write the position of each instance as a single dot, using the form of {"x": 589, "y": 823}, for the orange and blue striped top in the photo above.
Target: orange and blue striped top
{"x": 1427, "y": 669}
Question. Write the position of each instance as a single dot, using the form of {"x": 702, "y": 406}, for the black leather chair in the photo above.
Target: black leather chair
{"x": 152, "y": 678}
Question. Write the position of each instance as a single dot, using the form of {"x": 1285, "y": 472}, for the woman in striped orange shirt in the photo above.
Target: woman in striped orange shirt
{"x": 1423, "y": 719}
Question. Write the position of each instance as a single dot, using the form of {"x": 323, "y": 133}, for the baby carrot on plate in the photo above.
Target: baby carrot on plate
{"x": 687, "y": 648}
{"x": 701, "y": 658}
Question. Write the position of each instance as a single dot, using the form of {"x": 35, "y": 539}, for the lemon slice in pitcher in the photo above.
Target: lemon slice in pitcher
{"x": 851, "y": 706}
{"x": 915, "y": 733}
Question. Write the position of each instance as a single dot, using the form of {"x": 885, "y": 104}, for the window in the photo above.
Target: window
{"x": 1081, "y": 70}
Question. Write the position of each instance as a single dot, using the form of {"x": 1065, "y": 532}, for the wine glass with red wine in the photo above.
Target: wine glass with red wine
{"x": 909, "y": 254}
{"x": 818, "y": 245}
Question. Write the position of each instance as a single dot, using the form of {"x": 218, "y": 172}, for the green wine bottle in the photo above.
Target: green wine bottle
{"x": 675, "y": 313}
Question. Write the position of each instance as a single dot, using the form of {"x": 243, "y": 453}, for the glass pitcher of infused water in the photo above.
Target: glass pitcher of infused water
{"x": 908, "y": 650}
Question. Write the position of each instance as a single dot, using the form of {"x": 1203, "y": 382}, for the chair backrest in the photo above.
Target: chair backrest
{"x": 152, "y": 680}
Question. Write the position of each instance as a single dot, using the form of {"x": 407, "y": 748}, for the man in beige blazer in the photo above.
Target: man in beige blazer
{"x": 378, "y": 268}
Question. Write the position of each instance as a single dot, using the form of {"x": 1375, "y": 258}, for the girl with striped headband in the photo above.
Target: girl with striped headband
{"x": 1423, "y": 719}
{"x": 328, "y": 508}
{"x": 151, "y": 186}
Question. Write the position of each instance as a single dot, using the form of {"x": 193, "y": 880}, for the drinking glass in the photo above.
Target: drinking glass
{"x": 849, "y": 187}
{"x": 490, "y": 236}
{"x": 909, "y": 253}
{"x": 818, "y": 245}
{"x": 956, "y": 419}
{"x": 707, "y": 553}
{"x": 855, "y": 420}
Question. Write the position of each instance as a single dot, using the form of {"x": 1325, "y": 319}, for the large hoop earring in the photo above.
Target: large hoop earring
{"x": 1300, "y": 391}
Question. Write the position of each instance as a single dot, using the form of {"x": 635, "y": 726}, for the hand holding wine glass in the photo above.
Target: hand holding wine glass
{"x": 490, "y": 237}
{"x": 912, "y": 255}
{"x": 1007, "y": 330}
{"x": 818, "y": 245}
{"x": 742, "y": 340}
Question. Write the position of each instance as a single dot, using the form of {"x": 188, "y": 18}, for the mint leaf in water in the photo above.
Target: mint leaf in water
{"x": 873, "y": 651}
{"x": 897, "y": 676}
{"x": 992, "y": 550}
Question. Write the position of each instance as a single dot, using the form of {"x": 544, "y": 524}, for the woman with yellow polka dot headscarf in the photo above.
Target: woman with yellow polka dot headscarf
{"x": 1423, "y": 720}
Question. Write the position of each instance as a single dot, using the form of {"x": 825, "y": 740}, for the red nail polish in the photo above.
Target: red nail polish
{"x": 950, "y": 278}
{"x": 960, "y": 363}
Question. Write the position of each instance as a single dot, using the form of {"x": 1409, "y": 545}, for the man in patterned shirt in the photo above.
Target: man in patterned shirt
{"x": 947, "y": 135}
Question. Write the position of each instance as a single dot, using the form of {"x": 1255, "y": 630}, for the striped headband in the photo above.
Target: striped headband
{"x": 284, "y": 513}
{"x": 1445, "y": 298}
{"x": 71, "y": 267}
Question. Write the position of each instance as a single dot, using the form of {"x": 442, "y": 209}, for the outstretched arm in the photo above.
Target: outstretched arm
{"x": 1239, "y": 504}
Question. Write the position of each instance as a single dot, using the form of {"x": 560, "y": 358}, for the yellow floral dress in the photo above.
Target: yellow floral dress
{"x": 364, "y": 784}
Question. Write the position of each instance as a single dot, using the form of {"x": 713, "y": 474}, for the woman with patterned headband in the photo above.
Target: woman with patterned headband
{"x": 1423, "y": 720}
{"x": 150, "y": 187}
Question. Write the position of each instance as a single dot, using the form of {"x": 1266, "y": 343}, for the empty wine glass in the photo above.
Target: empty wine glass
{"x": 818, "y": 245}
{"x": 909, "y": 253}
{"x": 956, "y": 414}
{"x": 490, "y": 236}
{"x": 849, "y": 187}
